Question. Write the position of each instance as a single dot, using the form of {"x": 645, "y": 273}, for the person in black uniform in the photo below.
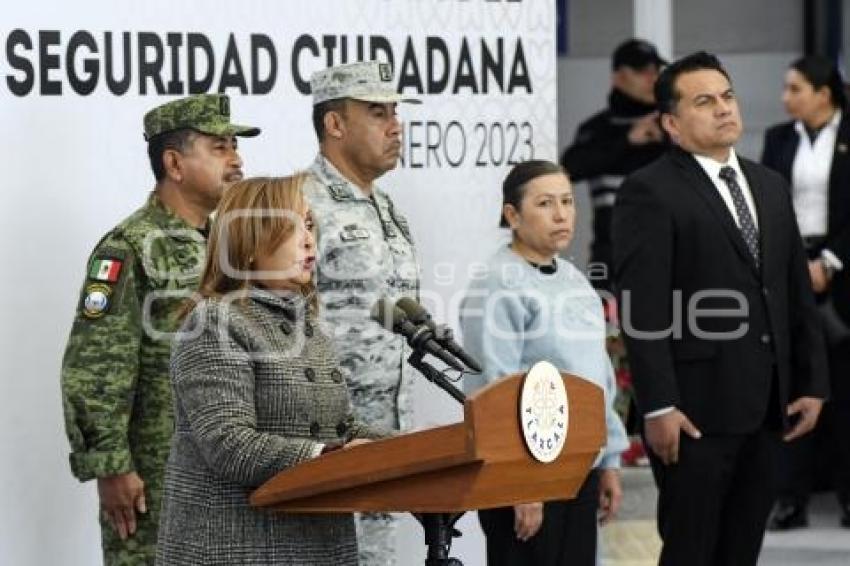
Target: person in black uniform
{"x": 616, "y": 141}
{"x": 811, "y": 152}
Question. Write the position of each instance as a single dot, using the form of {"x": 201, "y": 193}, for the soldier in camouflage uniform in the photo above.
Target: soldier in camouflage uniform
{"x": 365, "y": 253}
{"x": 115, "y": 386}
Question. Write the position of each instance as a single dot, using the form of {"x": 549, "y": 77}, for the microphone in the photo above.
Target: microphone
{"x": 417, "y": 314}
{"x": 420, "y": 337}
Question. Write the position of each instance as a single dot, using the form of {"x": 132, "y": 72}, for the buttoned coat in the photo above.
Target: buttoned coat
{"x": 365, "y": 253}
{"x": 256, "y": 389}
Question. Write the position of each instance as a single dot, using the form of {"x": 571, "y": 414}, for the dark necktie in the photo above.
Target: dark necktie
{"x": 748, "y": 227}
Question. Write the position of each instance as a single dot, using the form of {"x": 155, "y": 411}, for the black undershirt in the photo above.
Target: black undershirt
{"x": 546, "y": 268}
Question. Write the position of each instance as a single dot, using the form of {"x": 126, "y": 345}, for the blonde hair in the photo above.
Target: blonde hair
{"x": 253, "y": 218}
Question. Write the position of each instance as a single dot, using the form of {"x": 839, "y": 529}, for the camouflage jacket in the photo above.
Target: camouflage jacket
{"x": 365, "y": 253}
{"x": 115, "y": 385}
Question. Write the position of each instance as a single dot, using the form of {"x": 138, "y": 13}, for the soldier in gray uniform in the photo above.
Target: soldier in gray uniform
{"x": 365, "y": 253}
{"x": 115, "y": 387}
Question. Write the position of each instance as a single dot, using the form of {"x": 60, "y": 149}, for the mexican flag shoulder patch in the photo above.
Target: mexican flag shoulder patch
{"x": 105, "y": 269}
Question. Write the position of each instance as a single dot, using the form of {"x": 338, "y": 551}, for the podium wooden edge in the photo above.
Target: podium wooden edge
{"x": 373, "y": 459}
{"x": 477, "y": 463}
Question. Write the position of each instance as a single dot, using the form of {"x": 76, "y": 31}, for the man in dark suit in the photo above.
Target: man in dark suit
{"x": 720, "y": 322}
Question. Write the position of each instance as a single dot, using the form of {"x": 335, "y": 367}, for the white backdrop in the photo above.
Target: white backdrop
{"x": 74, "y": 164}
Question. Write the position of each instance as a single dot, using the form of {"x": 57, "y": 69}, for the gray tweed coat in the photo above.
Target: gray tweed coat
{"x": 256, "y": 388}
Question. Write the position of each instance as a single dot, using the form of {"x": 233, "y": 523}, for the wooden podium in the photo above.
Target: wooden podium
{"x": 479, "y": 463}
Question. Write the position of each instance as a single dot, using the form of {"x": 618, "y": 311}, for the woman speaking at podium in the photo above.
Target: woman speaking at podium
{"x": 529, "y": 306}
{"x": 257, "y": 389}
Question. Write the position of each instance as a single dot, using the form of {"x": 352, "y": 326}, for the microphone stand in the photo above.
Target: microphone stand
{"x": 434, "y": 375}
{"x": 439, "y": 530}
{"x": 439, "y": 527}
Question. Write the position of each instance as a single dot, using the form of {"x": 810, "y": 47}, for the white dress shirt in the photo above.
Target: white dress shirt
{"x": 810, "y": 177}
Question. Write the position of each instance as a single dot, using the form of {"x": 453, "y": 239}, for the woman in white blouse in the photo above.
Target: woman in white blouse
{"x": 812, "y": 151}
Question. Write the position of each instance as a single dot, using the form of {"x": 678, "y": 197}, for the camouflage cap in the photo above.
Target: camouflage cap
{"x": 205, "y": 113}
{"x": 369, "y": 81}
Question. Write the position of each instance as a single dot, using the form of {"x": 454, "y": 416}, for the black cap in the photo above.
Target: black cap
{"x": 637, "y": 54}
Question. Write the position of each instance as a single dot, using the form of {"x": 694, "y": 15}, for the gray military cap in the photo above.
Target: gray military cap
{"x": 369, "y": 81}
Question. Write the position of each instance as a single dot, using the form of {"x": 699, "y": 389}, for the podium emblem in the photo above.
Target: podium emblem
{"x": 544, "y": 412}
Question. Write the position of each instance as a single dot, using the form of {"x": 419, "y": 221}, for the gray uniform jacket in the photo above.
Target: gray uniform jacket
{"x": 365, "y": 253}
{"x": 256, "y": 388}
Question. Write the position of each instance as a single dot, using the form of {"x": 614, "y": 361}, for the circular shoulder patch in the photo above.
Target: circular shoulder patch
{"x": 544, "y": 412}
{"x": 96, "y": 300}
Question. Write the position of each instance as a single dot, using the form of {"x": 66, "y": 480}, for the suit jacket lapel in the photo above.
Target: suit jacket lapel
{"x": 705, "y": 188}
{"x": 837, "y": 198}
{"x": 788, "y": 150}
